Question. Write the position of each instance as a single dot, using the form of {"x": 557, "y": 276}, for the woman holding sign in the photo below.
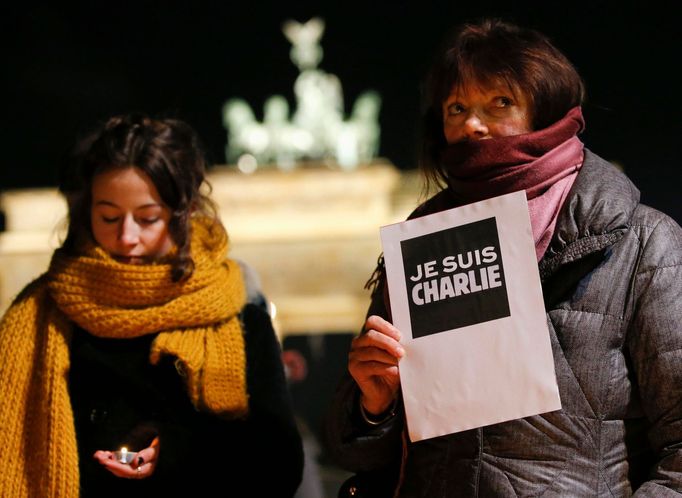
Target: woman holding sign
{"x": 503, "y": 114}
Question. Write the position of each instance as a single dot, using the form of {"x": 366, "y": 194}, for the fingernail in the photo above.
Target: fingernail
{"x": 401, "y": 352}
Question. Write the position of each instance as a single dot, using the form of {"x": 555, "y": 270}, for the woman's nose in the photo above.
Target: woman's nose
{"x": 129, "y": 232}
{"x": 474, "y": 127}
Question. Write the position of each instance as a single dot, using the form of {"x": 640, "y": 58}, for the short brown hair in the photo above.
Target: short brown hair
{"x": 493, "y": 50}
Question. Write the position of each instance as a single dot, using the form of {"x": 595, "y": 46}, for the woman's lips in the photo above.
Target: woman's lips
{"x": 130, "y": 260}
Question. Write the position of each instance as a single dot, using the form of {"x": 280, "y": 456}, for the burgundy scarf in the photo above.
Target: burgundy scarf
{"x": 544, "y": 163}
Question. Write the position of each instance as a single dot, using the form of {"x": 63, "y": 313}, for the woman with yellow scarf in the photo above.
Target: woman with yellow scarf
{"x": 140, "y": 336}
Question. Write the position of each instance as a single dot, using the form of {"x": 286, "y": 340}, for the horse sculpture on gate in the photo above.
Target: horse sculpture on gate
{"x": 317, "y": 129}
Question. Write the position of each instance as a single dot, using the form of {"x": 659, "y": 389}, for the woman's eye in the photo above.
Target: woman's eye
{"x": 109, "y": 220}
{"x": 454, "y": 109}
{"x": 503, "y": 102}
{"x": 149, "y": 221}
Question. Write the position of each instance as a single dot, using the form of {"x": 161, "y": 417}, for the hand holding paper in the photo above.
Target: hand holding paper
{"x": 373, "y": 363}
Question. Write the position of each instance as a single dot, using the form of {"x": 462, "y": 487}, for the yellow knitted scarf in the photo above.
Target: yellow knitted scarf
{"x": 197, "y": 321}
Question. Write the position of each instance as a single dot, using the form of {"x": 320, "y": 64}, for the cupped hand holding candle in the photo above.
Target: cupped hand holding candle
{"x": 129, "y": 464}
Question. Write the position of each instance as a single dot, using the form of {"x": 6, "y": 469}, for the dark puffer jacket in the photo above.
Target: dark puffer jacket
{"x": 612, "y": 282}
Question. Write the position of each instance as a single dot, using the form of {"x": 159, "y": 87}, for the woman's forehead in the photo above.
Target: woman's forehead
{"x": 484, "y": 85}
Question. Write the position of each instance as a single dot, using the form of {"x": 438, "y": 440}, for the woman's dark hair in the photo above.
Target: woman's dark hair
{"x": 168, "y": 151}
{"x": 494, "y": 51}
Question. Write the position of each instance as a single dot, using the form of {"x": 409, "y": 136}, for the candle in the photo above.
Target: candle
{"x": 124, "y": 455}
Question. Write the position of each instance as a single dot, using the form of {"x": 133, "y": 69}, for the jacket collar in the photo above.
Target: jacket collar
{"x": 596, "y": 214}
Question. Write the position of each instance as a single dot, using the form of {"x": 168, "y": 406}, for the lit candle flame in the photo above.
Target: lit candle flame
{"x": 124, "y": 452}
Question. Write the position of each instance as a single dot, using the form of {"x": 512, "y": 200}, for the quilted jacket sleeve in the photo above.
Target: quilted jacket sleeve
{"x": 655, "y": 345}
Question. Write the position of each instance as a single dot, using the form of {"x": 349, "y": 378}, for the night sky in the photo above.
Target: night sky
{"x": 71, "y": 64}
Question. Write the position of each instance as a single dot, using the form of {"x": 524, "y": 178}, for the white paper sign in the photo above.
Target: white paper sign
{"x": 465, "y": 293}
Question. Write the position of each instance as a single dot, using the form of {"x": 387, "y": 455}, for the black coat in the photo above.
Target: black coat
{"x": 120, "y": 399}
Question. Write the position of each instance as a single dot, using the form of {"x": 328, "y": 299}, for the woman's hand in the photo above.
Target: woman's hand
{"x": 373, "y": 363}
{"x": 142, "y": 466}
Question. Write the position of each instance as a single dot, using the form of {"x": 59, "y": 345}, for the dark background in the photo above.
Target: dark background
{"x": 70, "y": 64}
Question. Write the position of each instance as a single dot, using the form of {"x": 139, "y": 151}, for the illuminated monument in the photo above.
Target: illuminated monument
{"x": 317, "y": 130}
{"x": 311, "y": 233}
